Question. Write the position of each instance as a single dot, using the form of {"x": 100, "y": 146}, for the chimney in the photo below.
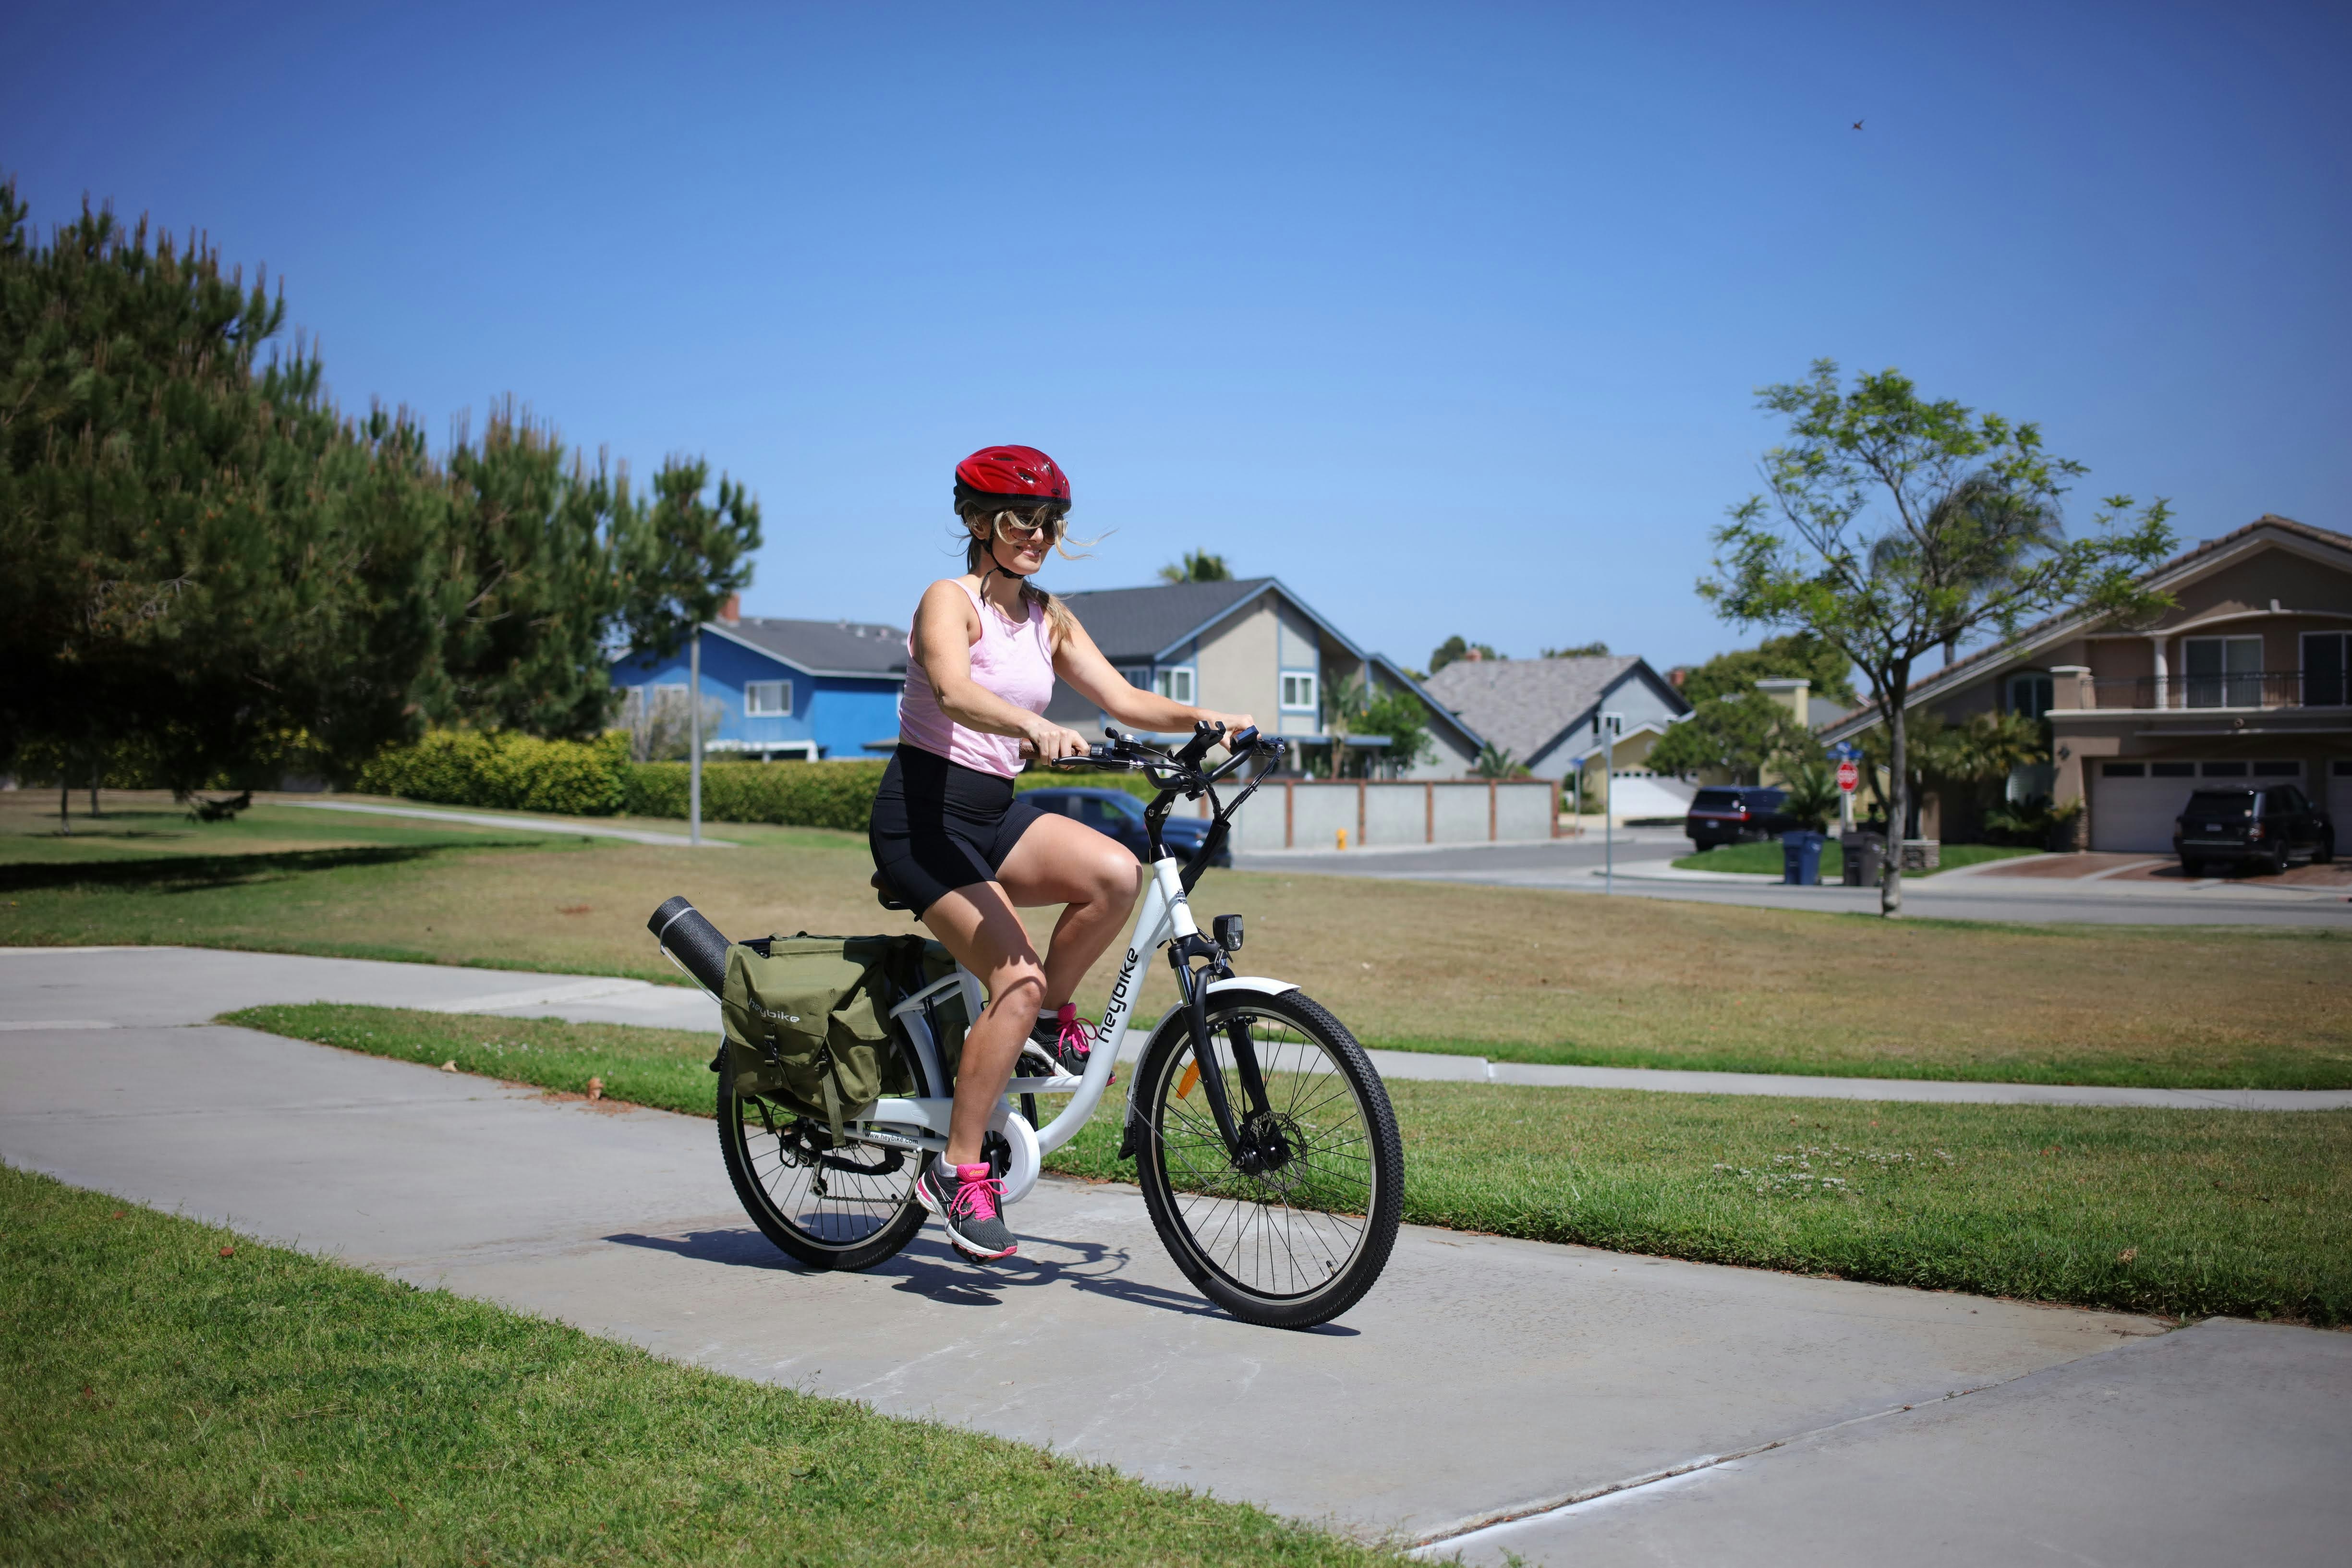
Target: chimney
{"x": 1675, "y": 676}
{"x": 1473, "y": 656}
{"x": 731, "y": 611}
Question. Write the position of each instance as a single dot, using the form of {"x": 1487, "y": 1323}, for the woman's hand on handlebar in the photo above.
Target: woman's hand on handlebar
{"x": 1234, "y": 723}
{"x": 1050, "y": 742}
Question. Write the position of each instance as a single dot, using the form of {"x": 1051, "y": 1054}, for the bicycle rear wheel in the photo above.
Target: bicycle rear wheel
{"x": 847, "y": 1207}
{"x": 1299, "y": 1241}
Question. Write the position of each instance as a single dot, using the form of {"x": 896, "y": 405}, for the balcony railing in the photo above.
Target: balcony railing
{"x": 2259, "y": 689}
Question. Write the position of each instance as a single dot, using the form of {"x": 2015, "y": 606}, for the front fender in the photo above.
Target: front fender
{"x": 1252, "y": 983}
{"x": 1174, "y": 1023}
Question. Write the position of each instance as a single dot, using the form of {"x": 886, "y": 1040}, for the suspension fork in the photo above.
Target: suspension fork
{"x": 1194, "y": 985}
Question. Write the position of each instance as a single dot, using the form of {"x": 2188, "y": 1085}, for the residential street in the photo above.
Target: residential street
{"x": 1644, "y": 858}
{"x": 1620, "y": 1409}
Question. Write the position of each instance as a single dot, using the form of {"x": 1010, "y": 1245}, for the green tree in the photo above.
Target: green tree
{"x": 1798, "y": 654}
{"x": 1198, "y": 566}
{"x": 1740, "y": 735}
{"x": 686, "y": 557}
{"x": 1495, "y": 762}
{"x": 1453, "y": 649}
{"x": 1896, "y": 525}
{"x": 1582, "y": 650}
{"x": 206, "y": 566}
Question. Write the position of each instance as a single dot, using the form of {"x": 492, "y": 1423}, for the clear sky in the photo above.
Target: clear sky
{"x": 1449, "y": 315}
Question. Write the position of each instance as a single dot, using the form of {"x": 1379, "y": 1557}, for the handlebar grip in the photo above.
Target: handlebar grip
{"x": 1241, "y": 740}
{"x": 678, "y": 926}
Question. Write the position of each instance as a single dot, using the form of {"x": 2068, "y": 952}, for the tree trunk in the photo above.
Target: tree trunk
{"x": 65, "y": 802}
{"x": 1898, "y": 756}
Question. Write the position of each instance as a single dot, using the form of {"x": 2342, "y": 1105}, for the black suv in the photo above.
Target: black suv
{"x": 1736, "y": 813}
{"x": 2265, "y": 830}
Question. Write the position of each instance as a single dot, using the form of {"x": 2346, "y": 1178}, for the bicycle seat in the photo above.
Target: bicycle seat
{"x": 887, "y": 895}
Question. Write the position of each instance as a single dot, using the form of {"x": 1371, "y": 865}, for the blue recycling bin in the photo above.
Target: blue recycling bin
{"x": 1801, "y": 858}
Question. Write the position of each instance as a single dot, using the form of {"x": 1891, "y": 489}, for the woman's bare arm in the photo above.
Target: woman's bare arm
{"x": 1079, "y": 662}
{"x": 946, "y": 625}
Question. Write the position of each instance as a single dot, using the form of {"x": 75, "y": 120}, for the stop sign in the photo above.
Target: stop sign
{"x": 1849, "y": 777}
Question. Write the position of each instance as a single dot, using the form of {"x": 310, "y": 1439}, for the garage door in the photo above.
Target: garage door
{"x": 2133, "y": 803}
{"x": 2133, "y": 806}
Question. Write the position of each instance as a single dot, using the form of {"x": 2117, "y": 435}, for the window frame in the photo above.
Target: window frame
{"x": 783, "y": 689}
{"x": 2341, "y": 689}
{"x": 2219, "y": 686}
{"x": 1313, "y": 680}
{"x": 1166, "y": 678}
{"x": 2046, "y": 688}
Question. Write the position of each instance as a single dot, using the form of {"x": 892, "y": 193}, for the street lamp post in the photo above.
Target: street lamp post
{"x": 1611, "y": 725}
{"x": 694, "y": 738}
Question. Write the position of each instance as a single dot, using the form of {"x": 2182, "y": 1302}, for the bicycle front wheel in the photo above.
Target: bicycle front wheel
{"x": 1297, "y": 1239}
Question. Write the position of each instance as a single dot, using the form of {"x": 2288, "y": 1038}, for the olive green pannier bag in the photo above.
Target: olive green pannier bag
{"x": 808, "y": 1020}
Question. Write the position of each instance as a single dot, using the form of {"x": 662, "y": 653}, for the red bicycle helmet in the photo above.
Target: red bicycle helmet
{"x": 1012, "y": 477}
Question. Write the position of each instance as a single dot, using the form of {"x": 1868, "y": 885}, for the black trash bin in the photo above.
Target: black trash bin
{"x": 1801, "y": 858}
{"x": 1866, "y": 858}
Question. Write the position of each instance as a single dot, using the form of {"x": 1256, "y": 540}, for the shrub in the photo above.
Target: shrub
{"x": 506, "y": 770}
{"x": 791, "y": 794}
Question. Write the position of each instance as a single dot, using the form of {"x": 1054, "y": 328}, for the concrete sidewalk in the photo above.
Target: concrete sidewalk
{"x": 570, "y": 828}
{"x": 211, "y": 981}
{"x": 1484, "y": 1380}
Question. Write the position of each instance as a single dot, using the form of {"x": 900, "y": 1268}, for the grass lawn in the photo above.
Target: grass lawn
{"x": 178, "y": 1392}
{"x": 1519, "y": 975}
{"x": 1764, "y": 859}
{"x": 2191, "y": 1212}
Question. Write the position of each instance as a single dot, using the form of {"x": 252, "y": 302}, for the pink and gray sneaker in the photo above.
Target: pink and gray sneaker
{"x": 1064, "y": 1037}
{"x": 970, "y": 1200}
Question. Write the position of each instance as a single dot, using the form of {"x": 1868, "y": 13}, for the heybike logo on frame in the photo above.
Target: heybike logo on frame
{"x": 1118, "y": 1003}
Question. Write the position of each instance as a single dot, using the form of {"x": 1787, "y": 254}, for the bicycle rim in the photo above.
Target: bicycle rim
{"x": 838, "y": 1208}
{"x": 1299, "y": 1243}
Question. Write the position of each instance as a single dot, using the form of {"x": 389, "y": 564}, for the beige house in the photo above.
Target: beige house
{"x": 1252, "y": 646}
{"x": 2248, "y": 677}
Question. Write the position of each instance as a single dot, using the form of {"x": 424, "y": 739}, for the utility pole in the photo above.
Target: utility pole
{"x": 1611, "y": 725}
{"x": 694, "y": 737}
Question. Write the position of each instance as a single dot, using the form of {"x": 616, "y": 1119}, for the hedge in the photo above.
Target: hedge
{"x": 595, "y": 778}
{"x": 505, "y": 770}
{"x": 791, "y": 794}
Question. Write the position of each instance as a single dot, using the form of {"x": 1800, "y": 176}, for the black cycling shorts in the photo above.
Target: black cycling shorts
{"x": 938, "y": 825}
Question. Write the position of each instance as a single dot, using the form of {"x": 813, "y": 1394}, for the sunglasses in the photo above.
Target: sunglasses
{"x": 1013, "y": 532}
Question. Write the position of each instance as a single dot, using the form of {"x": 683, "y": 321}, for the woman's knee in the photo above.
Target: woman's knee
{"x": 1019, "y": 980}
{"x": 1113, "y": 879}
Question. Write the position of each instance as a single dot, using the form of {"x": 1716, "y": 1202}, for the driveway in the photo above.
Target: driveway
{"x": 1617, "y": 1408}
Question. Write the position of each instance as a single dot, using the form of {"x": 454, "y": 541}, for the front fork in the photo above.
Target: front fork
{"x": 1240, "y": 1134}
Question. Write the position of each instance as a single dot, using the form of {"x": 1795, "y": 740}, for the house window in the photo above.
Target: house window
{"x": 2225, "y": 770}
{"x": 2030, "y": 695}
{"x": 1176, "y": 685}
{"x": 2122, "y": 770}
{"x": 1298, "y": 693}
{"x": 767, "y": 698}
{"x": 2278, "y": 770}
{"x": 1139, "y": 679}
{"x": 2327, "y": 665}
{"x": 2172, "y": 770}
{"x": 2223, "y": 672}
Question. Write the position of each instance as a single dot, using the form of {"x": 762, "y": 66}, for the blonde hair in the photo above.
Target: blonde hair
{"x": 981, "y": 520}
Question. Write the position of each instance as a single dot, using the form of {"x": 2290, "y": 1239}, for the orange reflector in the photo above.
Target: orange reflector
{"x": 1191, "y": 1076}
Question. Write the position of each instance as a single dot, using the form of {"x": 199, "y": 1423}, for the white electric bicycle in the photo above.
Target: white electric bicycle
{"x": 1265, "y": 1147}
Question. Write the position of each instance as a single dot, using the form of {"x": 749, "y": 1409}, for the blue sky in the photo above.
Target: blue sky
{"x": 1451, "y": 316}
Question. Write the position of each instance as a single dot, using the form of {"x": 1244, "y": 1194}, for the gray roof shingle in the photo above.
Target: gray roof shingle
{"x": 1133, "y": 626}
{"x": 825, "y": 647}
{"x": 1522, "y": 704}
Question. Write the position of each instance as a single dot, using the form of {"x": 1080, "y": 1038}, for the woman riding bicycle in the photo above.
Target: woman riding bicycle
{"x": 961, "y": 848}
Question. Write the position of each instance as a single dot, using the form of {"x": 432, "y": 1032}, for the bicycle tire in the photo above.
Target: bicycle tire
{"x": 857, "y": 1229}
{"x": 1296, "y": 1246}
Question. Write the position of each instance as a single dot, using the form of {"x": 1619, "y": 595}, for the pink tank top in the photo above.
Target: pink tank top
{"x": 1013, "y": 660}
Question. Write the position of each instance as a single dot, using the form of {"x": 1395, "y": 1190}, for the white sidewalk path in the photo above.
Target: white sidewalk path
{"x": 252, "y": 979}
{"x": 1715, "y": 1414}
{"x": 572, "y": 827}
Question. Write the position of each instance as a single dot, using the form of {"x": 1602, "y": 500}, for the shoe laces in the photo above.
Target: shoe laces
{"x": 976, "y": 1197}
{"x": 1073, "y": 1039}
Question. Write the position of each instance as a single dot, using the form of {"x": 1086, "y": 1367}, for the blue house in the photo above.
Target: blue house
{"x": 799, "y": 689}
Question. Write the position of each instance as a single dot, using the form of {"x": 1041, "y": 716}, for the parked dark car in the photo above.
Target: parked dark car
{"x": 1119, "y": 814}
{"x": 1737, "y": 814}
{"x": 2265, "y": 830}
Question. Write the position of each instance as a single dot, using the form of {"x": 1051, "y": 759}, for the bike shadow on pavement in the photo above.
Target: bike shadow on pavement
{"x": 932, "y": 1269}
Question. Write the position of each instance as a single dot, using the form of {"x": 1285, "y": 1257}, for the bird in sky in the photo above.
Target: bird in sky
{"x": 1857, "y": 125}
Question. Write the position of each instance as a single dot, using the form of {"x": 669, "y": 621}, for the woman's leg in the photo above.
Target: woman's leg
{"x": 1059, "y": 861}
{"x": 978, "y": 925}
